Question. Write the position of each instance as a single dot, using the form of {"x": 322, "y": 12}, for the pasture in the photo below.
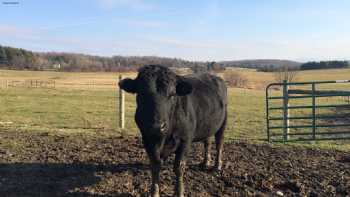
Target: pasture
{"x": 87, "y": 102}
{"x": 72, "y": 131}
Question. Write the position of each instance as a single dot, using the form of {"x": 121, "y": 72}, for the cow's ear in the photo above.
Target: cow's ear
{"x": 183, "y": 87}
{"x": 129, "y": 85}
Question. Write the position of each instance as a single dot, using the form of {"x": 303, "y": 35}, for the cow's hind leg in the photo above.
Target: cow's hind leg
{"x": 207, "y": 147}
{"x": 219, "y": 141}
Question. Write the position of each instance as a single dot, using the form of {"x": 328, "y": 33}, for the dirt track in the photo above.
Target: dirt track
{"x": 51, "y": 165}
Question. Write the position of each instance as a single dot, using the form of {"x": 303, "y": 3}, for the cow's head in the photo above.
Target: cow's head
{"x": 157, "y": 89}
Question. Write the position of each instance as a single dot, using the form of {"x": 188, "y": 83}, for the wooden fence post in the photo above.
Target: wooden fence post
{"x": 121, "y": 107}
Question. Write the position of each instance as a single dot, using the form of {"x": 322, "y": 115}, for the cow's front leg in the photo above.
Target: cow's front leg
{"x": 207, "y": 146}
{"x": 179, "y": 169}
{"x": 155, "y": 168}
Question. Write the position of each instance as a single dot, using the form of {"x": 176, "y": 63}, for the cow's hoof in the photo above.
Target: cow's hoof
{"x": 179, "y": 195}
{"x": 155, "y": 195}
{"x": 155, "y": 191}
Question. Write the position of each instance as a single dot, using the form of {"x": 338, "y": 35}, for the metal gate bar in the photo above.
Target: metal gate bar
{"x": 313, "y": 93}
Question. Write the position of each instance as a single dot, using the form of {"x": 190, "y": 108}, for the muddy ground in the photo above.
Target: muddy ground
{"x": 44, "y": 164}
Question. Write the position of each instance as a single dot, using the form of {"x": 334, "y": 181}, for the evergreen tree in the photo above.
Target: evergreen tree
{"x": 3, "y": 56}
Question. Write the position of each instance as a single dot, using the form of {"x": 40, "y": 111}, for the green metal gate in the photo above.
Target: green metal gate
{"x": 308, "y": 110}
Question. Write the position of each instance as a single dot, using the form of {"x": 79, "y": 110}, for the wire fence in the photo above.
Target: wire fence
{"x": 35, "y": 83}
{"x": 94, "y": 105}
{"x": 33, "y": 104}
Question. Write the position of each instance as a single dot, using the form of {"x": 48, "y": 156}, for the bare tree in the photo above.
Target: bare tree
{"x": 285, "y": 73}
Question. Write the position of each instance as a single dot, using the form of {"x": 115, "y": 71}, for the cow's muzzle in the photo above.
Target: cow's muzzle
{"x": 163, "y": 127}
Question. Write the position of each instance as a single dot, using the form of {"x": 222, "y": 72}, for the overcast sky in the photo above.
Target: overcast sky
{"x": 299, "y": 30}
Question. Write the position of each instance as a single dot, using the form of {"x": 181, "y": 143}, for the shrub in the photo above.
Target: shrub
{"x": 235, "y": 79}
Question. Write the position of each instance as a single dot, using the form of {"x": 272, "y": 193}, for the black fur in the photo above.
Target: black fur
{"x": 174, "y": 111}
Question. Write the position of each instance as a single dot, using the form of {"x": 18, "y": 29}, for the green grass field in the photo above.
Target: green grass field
{"x": 94, "y": 110}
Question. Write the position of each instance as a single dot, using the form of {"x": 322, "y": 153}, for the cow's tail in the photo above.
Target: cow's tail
{"x": 220, "y": 132}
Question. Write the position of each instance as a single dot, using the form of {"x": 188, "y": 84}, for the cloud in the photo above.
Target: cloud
{"x": 298, "y": 48}
{"x": 82, "y": 22}
{"x": 294, "y": 49}
{"x": 39, "y": 40}
{"x": 6, "y": 30}
{"x": 186, "y": 43}
{"x": 133, "y": 4}
{"x": 144, "y": 23}
{"x": 96, "y": 20}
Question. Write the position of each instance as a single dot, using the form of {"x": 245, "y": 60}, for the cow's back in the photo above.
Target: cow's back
{"x": 208, "y": 103}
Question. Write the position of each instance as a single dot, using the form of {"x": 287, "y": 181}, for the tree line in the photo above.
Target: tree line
{"x": 324, "y": 65}
{"x": 304, "y": 66}
{"x": 20, "y": 59}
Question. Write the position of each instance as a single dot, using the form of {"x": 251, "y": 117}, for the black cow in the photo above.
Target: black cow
{"x": 174, "y": 111}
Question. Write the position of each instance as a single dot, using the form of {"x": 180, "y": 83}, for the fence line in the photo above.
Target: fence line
{"x": 28, "y": 83}
{"x": 33, "y": 83}
{"x": 60, "y": 108}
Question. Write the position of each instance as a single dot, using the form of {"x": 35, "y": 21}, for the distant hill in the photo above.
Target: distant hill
{"x": 260, "y": 63}
{"x": 21, "y": 59}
